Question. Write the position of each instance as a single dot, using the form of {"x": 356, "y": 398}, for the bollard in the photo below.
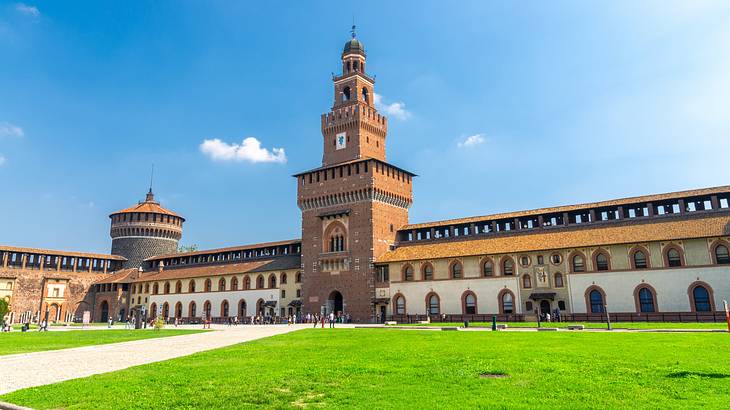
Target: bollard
{"x": 494, "y": 322}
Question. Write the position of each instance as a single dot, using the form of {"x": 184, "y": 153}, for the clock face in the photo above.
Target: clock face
{"x": 341, "y": 139}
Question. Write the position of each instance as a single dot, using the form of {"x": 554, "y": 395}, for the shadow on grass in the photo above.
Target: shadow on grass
{"x": 687, "y": 374}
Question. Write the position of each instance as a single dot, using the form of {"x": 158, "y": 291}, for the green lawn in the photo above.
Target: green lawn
{"x": 35, "y": 341}
{"x": 592, "y": 325}
{"x": 387, "y": 368}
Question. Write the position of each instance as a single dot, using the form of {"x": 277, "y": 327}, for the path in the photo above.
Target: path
{"x": 20, "y": 371}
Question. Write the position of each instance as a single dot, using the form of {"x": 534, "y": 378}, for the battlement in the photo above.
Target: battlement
{"x": 353, "y": 112}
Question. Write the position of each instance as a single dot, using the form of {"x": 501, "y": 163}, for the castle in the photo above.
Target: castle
{"x": 654, "y": 257}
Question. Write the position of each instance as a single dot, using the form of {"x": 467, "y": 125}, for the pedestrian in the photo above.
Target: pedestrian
{"x": 332, "y": 320}
{"x": 314, "y": 320}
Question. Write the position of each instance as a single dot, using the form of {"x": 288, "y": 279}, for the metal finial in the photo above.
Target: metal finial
{"x": 152, "y": 176}
{"x": 353, "y": 28}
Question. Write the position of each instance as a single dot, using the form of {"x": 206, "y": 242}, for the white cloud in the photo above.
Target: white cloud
{"x": 396, "y": 109}
{"x": 471, "y": 141}
{"x": 249, "y": 150}
{"x": 10, "y": 130}
{"x": 2, "y": 160}
{"x": 27, "y": 10}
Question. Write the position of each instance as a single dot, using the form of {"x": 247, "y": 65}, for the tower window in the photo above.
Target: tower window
{"x": 365, "y": 95}
{"x": 346, "y": 94}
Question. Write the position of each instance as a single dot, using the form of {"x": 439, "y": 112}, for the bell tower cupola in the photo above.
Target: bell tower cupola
{"x": 353, "y": 129}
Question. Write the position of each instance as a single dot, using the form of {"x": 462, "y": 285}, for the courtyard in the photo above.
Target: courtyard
{"x": 371, "y": 368}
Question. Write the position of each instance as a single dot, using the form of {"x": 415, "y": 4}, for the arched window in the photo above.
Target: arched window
{"x": 722, "y": 256}
{"x": 559, "y": 280}
{"x": 595, "y": 300}
{"x": 165, "y": 310}
{"x": 602, "y": 261}
{"x": 346, "y": 94}
{"x": 153, "y": 309}
{"x": 400, "y": 305}
{"x": 470, "y": 303}
{"x": 192, "y": 309}
{"x": 246, "y": 283}
{"x": 242, "y": 309}
{"x": 272, "y": 281}
{"x": 673, "y": 257}
{"x": 526, "y": 281}
{"x": 208, "y": 285}
{"x": 221, "y": 284}
{"x": 178, "y": 310}
{"x": 191, "y": 287}
{"x": 639, "y": 260}
{"x": 283, "y": 278}
{"x": 456, "y": 270}
{"x": 579, "y": 263}
{"x": 234, "y": 283}
{"x": 508, "y": 267}
{"x": 260, "y": 282}
{"x": 365, "y": 95}
{"x": 427, "y": 272}
{"x": 701, "y": 299}
{"x": 146, "y": 288}
{"x": 155, "y": 288}
{"x": 645, "y": 298}
{"x": 178, "y": 287}
{"x": 207, "y": 309}
{"x": 224, "y": 308}
{"x": 488, "y": 268}
{"x": 432, "y": 304}
{"x": 408, "y": 273}
{"x": 506, "y": 302}
{"x": 167, "y": 288}
{"x": 298, "y": 277}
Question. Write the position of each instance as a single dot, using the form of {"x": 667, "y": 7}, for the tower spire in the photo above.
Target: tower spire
{"x": 150, "y": 196}
{"x": 353, "y": 27}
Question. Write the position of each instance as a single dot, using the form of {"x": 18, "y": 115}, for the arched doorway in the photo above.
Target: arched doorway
{"x": 260, "y": 307}
{"x": 54, "y": 313}
{"x": 335, "y": 302}
{"x": 544, "y": 307}
{"x": 242, "y": 309}
{"x": 178, "y": 310}
{"x": 104, "y": 311}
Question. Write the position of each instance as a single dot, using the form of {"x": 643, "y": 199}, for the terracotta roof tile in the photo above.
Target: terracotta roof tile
{"x": 568, "y": 208}
{"x": 194, "y": 271}
{"x": 120, "y": 276}
{"x": 558, "y": 238}
{"x": 151, "y": 207}
{"x": 61, "y": 253}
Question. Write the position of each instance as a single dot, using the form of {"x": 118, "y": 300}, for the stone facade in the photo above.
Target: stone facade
{"x": 136, "y": 250}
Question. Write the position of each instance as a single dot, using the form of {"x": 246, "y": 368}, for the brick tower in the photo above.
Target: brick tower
{"x": 354, "y": 203}
{"x": 145, "y": 230}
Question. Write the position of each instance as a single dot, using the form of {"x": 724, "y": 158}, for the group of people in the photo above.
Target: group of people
{"x": 548, "y": 317}
{"x": 330, "y": 319}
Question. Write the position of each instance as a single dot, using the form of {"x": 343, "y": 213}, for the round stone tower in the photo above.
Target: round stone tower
{"x": 145, "y": 230}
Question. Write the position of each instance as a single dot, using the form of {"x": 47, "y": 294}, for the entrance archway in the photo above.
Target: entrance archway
{"x": 104, "y": 311}
{"x": 335, "y": 302}
{"x": 545, "y": 307}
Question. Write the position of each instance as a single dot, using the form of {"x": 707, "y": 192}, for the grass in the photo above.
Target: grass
{"x": 34, "y": 341}
{"x": 388, "y": 368}
{"x": 588, "y": 325}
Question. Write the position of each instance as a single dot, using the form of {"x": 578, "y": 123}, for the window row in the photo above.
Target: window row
{"x": 645, "y": 298}
{"x": 223, "y": 285}
{"x": 505, "y": 299}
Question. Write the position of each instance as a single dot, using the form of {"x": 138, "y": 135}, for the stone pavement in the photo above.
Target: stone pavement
{"x": 20, "y": 371}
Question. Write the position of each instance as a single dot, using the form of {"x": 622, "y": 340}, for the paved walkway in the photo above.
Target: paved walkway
{"x": 20, "y": 371}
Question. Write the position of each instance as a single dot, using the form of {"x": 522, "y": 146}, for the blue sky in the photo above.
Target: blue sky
{"x": 496, "y": 107}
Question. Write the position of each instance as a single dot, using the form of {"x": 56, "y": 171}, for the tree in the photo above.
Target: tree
{"x": 159, "y": 323}
{"x": 190, "y": 248}
{"x": 4, "y": 309}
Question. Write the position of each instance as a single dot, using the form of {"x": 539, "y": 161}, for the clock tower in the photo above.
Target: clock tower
{"x": 353, "y": 205}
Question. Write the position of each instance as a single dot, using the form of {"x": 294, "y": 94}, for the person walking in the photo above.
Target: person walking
{"x": 332, "y": 320}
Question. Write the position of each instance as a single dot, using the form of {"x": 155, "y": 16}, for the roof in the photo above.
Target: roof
{"x": 148, "y": 205}
{"x": 229, "y": 249}
{"x": 548, "y": 239}
{"x": 568, "y": 208}
{"x": 61, "y": 253}
{"x": 195, "y": 271}
{"x": 353, "y": 46}
{"x": 339, "y": 164}
{"x": 120, "y": 276}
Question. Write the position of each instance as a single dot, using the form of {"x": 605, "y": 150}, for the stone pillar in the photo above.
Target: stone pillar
{"x": 715, "y": 202}
{"x": 682, "y": 208}
{"x": 566, "y": 218}
{"x": 23, "y": 260}
{"x": 592, "y": 214}
{"x": 650, "y": 208}
{"x": 76, "y": 264}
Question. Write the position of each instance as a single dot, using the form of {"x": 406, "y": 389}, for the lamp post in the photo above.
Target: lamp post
{"x": 608, "y": 317}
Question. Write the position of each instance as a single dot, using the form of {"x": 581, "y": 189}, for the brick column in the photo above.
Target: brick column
{"x": 682, "y": 209}
{"x": 76, "y": 263}
{"x": 650, "y": 208}
{"x": 566, "y": 218}
{"x": 23, "y": 260}
{"x": 6, "y": 255}
{"x": 715, "y": 202}
{"x": 540, "y": 221}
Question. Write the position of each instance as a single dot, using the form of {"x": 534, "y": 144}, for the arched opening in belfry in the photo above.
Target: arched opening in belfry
{"x": 365, "y": 95}
{"x": 346, "y": 94}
